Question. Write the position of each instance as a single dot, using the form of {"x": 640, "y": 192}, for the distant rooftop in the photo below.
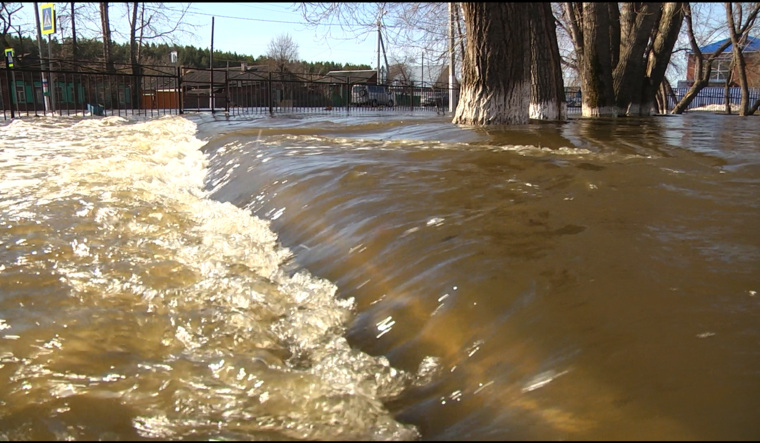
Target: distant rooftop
{"x": 753, "y": 45}
{"x": 359, "y": 76}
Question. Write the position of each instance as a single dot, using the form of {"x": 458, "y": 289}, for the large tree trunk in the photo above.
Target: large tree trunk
{"x": 623, "y": 51}
{"x": 631, "y": 67}
{"x": 596, "y": 62}
{"x": 547, "y": 95}
{"x": 659, "y": 58}
{"x": 496, "y": 76}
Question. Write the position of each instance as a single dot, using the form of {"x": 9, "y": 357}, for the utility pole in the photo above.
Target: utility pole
{"x": 378, "y": 48}
{"x": 46, "y": 98}
{"x": 211, "y": 65}
{"x": 422, "y": 75}
{"x": 51, "y": 87}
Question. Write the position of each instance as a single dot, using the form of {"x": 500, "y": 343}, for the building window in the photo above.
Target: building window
{"x": 721, "y": 69}
{"x": 20, "y": 93}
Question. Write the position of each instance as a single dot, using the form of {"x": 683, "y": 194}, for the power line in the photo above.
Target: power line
{"x": 246, "y": 18}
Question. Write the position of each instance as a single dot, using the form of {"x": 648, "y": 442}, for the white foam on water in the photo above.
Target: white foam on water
{"x": 221, "y": 342}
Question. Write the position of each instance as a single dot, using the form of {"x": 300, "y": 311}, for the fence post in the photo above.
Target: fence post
{"x": 180, "y": 102}
{"x": 269, "y": 87}
{"x": 227, "y": 87}
{"x": 348, "y": 94}
{"x": 11, "y": 92}
{"x": 412, "y": 97}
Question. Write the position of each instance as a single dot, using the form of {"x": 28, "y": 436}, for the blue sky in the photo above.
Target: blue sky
{"x": 248, "y": 28}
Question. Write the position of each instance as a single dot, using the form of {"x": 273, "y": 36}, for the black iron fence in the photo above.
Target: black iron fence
{"x": 32, "y": 91}
{"x": 713, "y": 98}
{"x": 241, "y": 93}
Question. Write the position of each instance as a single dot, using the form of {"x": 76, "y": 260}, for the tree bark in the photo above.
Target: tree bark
{"x": 107, "y": 44}
{"x": 738, "y": 38}
{"x": 596, "y": 62}
{"x": 659, "y": 58}
{"x": 547, "y": 95}
{"x": 74, "y": 49}
{"x": 134, "y": 58}
{"x": 631, "y": 68}
{"x": 623, "y": 50}
{"x": 496, "y": 76}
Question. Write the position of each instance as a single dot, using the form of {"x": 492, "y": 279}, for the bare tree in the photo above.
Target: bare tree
{"x": 105, "y": 23}
{"x": 7, "y": 11}
{"x": 739, "y": 33}
{"x": 155, "y": 22}
{"x": 400, "y": 71}
{"x": 702, "y": 64}
{"x": 74, "y": 51}
{"x": 282, "y": 51}
{"x": 406, "y": 27}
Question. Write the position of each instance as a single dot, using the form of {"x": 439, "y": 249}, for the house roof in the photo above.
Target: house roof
{"x": 753, "y": 45}
{"x": 433, "y": 73}
{"x": 356, "y": 76}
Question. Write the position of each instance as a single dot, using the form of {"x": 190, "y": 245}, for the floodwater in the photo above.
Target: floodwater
{"x": 383, "y": 277}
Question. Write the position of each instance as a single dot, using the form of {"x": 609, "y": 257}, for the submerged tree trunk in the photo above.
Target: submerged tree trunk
{"x": 496, "y": 76}
{"x": 631, "y": 67}
{"x": 738, "y": 38}
{"x": 623, "y": 51}
{"x": 658, "y": 60}
{"x": 547, "y": 95}
{"x": 596, "y": 62}
{"x": 662, "y": 97}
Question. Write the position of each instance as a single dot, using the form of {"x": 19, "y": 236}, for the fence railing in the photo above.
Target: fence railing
{"x": 709, "y": 98}
{"x": 31, "y": 91}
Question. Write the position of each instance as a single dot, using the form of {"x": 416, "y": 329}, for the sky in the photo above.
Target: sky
{"x": 248, "y": 28}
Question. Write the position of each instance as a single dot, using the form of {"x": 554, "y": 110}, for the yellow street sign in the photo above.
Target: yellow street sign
{"x": 47, "y": 19}
{"x": 9, "y": 57}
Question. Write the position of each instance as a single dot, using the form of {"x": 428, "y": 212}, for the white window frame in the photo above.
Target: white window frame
{"x": 721, "y": 69}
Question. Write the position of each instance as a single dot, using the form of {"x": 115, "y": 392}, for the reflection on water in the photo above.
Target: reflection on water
{"x": 595, "y": 279}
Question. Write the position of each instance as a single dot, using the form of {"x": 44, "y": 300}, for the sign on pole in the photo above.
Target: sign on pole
{"x": 47, "y": 19}
{"x": 9, "y": 57}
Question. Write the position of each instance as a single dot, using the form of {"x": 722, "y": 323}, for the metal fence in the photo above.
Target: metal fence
{"x": 32, "y": 91}
{"x": 712, "y": 98}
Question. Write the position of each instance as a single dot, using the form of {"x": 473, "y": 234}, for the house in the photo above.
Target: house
{"x": 244, "y": 86}
{"x": 722, "y": 64}
{"x": 429, "y": 75}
